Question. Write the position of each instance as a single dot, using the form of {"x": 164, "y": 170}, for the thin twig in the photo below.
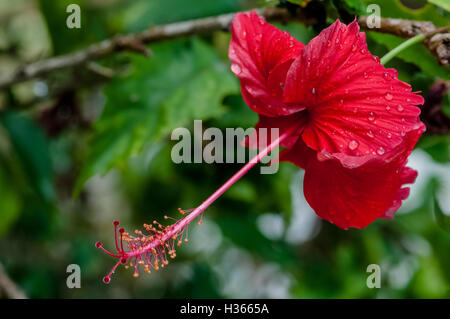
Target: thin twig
{"x": 136, "y": 42}
{"x": 437, "y": 40}
{"x": 8, "y": 288}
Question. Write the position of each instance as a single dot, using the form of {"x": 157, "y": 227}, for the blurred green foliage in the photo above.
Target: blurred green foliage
{"x": 107, "y": 141}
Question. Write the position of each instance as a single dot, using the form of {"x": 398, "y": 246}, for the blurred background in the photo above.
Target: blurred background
{"x": 82, "y": 147}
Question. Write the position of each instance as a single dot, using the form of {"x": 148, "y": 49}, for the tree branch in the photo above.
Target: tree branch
{"x": 438, "y": 44}
{"x": 8, "y": 288}
{"x": 437, "y": 41}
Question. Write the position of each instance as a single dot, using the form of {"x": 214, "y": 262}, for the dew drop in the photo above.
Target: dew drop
{"x": 388, "y": 96}
{"x": 380, "y": 150}
{"x": 371, "y": 116}
{"x": 400, "y": 108}
{"x": 314, "y": 91}
{"x": 353, "y": 145}
{"x": 328, "y": 43}
{"x": 402, "y": 133}
{"x": 388, "y": 108}
{"x": 282, "y": 85}
{"x": 386, "y": 76}
{"x": 365, "y": 75}
{"x": 236, "y": 68}
{"x": 355, "y": 110}
{"x": 341, "y": 101}
{"x": 353, "y": 48}
{"x": 389, "y": 135}
{"x": 370, "y": 133}
{"x": 363, "y": 51}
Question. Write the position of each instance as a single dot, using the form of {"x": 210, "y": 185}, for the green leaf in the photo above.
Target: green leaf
{"x": 182, "y": 81}
{"x": 416, "y": 54}
{"x": 139, "y": 14}
{"x": 438, "y": 146}
{"x": 351, "y": 6}
{"x": 299, "y": 2}
{"x": 9, "y": 203}
{"x": 442, "y": 220}
{"x": 444, "y": 4}
{"x": 64, "y": 39}
{"x": 445, "y": 104}
{"x": 32, "y": 150}
{"x": 395, "y": 9}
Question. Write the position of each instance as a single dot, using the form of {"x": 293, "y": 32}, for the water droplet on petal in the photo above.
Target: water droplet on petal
{"x": 388, "y": 96}
{"x": 353, "y": 145}
{"x": 402, "y": 133}
{"x": 244, "y": 34}
{"x": 371, "y": 116}
{"x": 363, "y": 51}
{"x": 400, "y": 108}
{"x": 365, "y": 75}
{"x": 341, "y": 101}
{"x": 314, "y": 91}
{"x": 346, "y": 91}
{"x": 355, "y": 110}
{"x": 386, "y": 76}
{"x": 236, "y": 68}
{"x": 353, "y": 48}
{"x": 370, "y": 133}
{"x": 388, "y": 108}
{"x": 380, "y": 150}
{"x": 389, "y": 135}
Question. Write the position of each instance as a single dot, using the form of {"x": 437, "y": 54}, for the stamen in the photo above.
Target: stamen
{"x": 153, "y": 248}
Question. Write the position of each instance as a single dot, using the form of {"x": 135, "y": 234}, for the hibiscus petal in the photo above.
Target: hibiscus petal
{"x": 356, "y": 106}
{"x": 265, "y": 125}
{"x": 355, "y": 197}
{"x": 260, "y": 57}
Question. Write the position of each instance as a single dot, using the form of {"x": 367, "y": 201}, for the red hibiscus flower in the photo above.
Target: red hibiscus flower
{"x": 357, "y": 122}
{"x": 344, "y": 118}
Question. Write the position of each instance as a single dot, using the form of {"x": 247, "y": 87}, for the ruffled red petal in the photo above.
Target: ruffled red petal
{"x": 265, "y": 125}
{"x": 260, "y": 57}
{"x": 355, "y": 197}
{"x": 356, "y": 106}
